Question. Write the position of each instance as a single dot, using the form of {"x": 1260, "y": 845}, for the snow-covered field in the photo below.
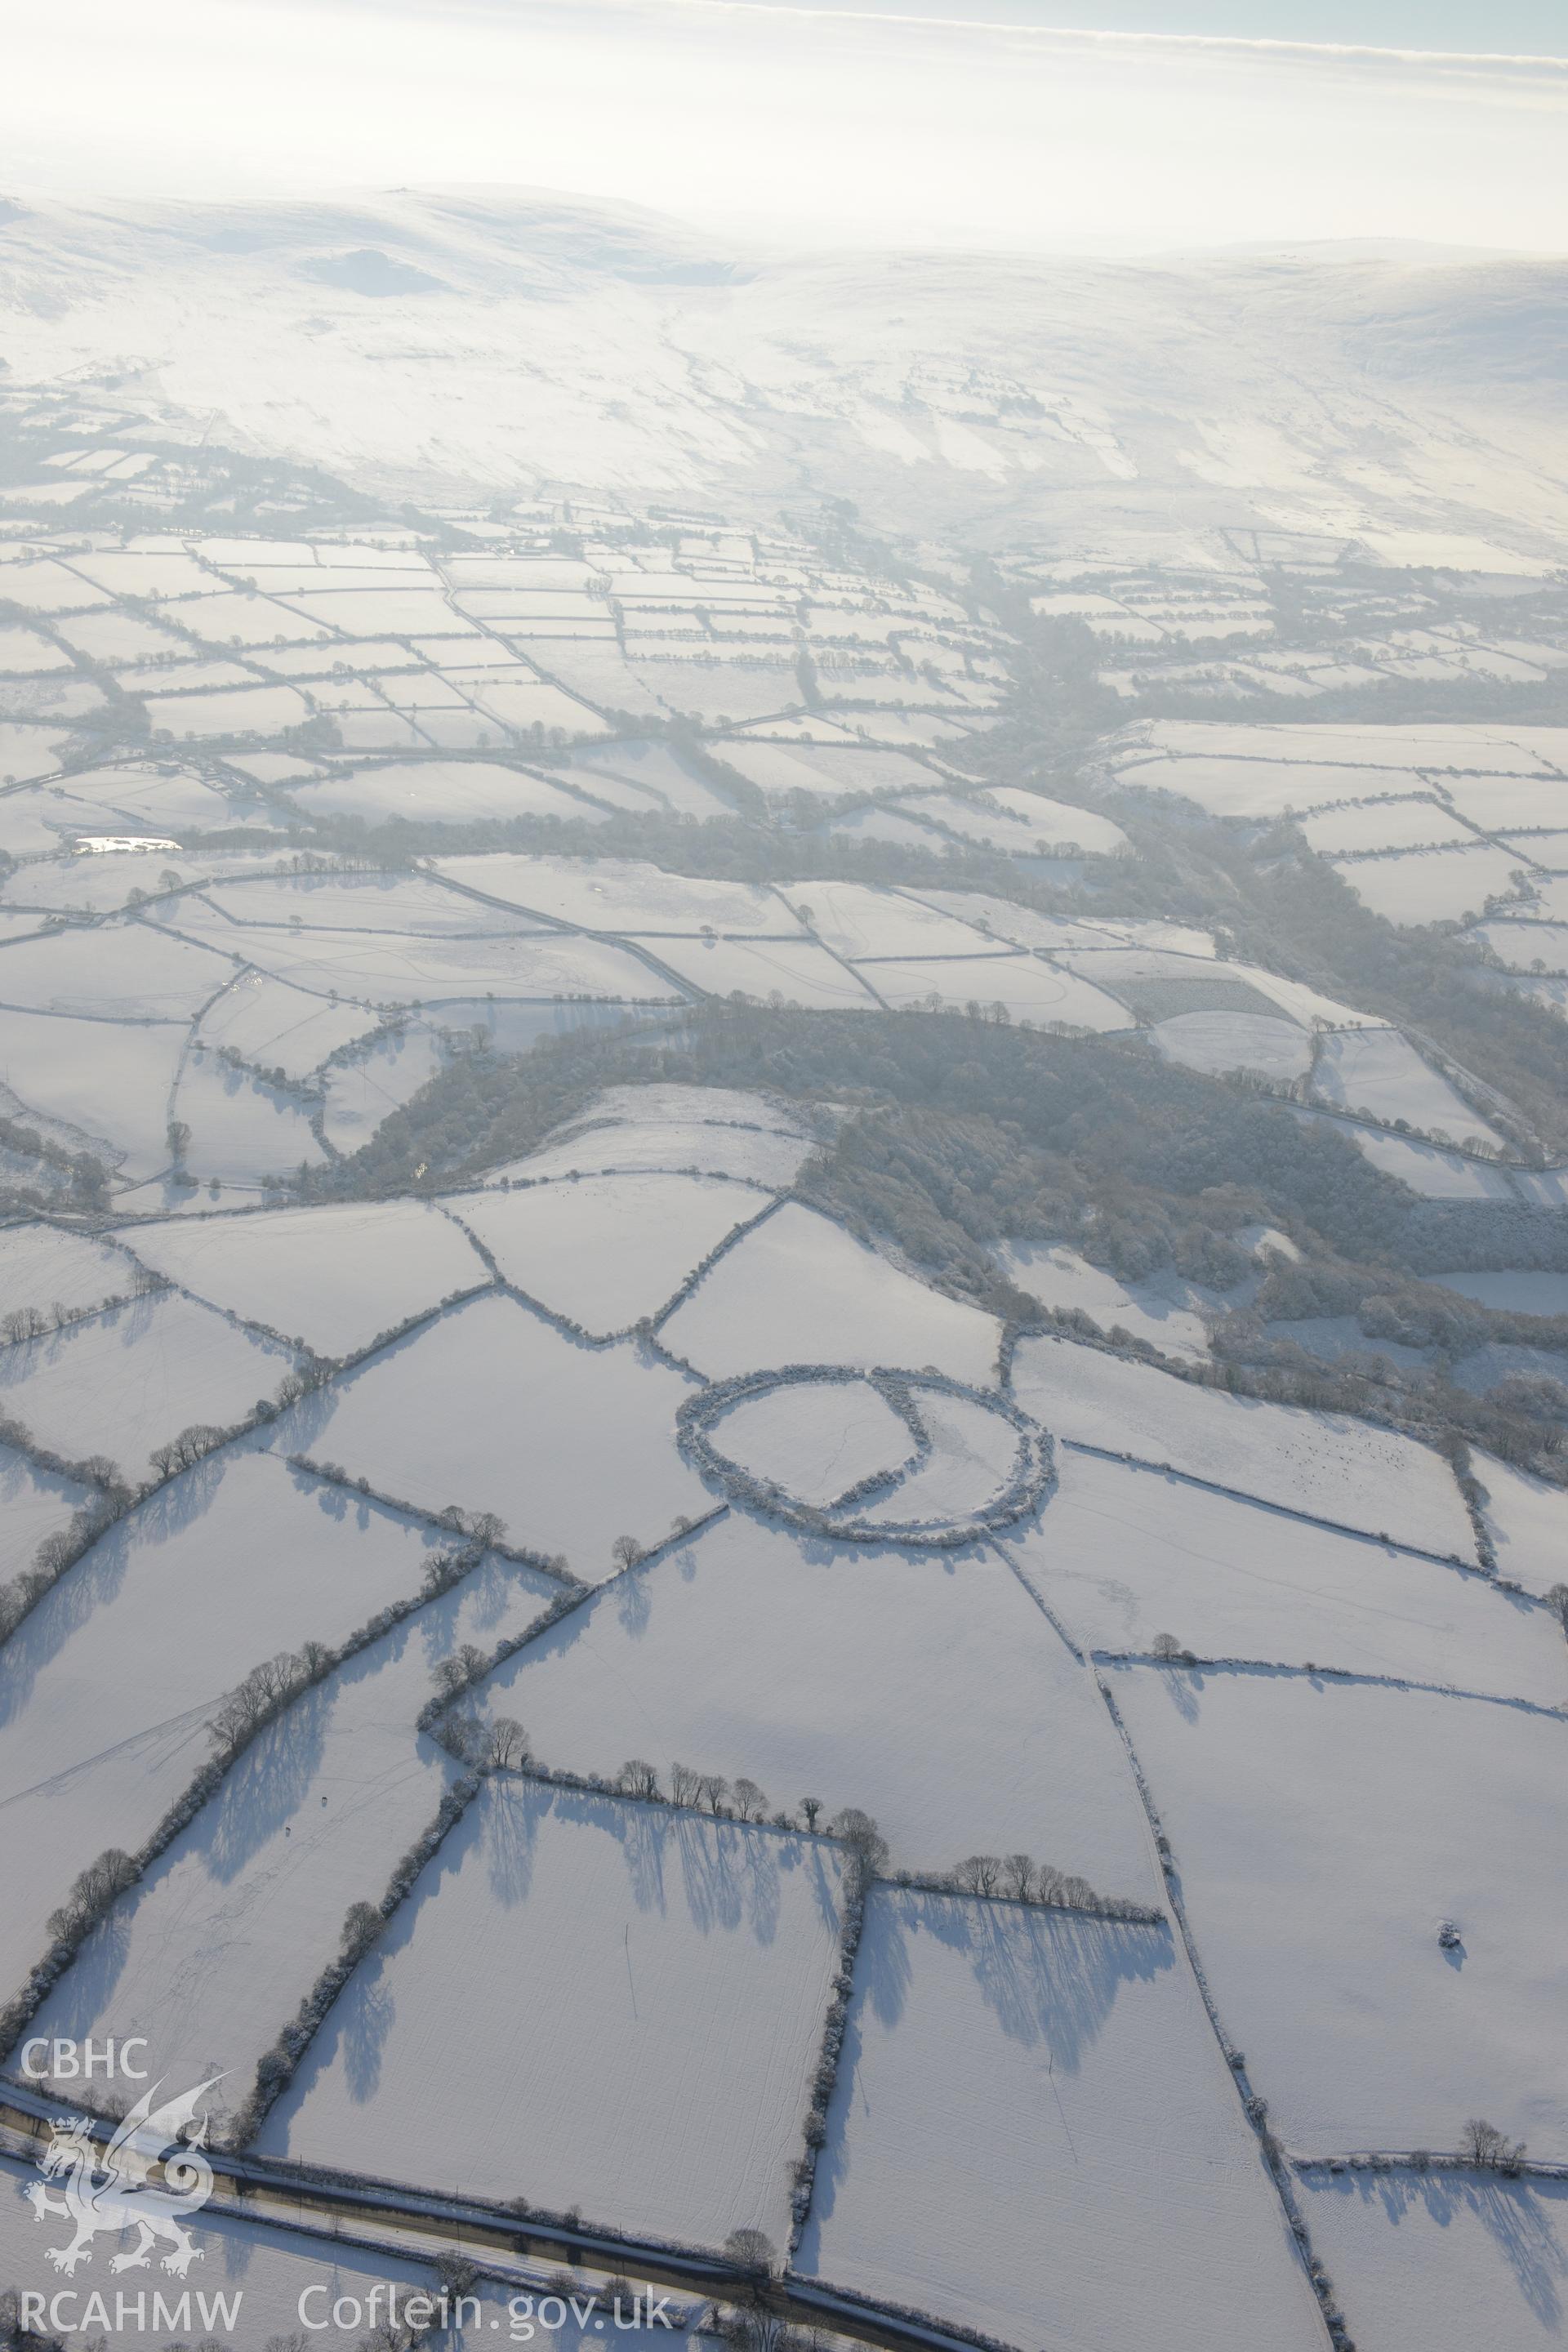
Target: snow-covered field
{"x": 607, "y": 1251}
{"x": 1379, "y": 1071}
{"x": 112, "y": 1677}
{"x": 934, "y": 1695}
{"x": 1527, "y": 1520}
{"x": 493, "y": 1409}
{"x": 1122, "y": 1555}
{"x": 688, "y": 1146}
{"x": 1164, "y": 1312}
{"x": 1442, "y": 2261}
{"x": 797, "y": 971}
{"x": 640, "y": 1994}
{"x": 43, "y": 1266}
{"x": 1432, "y": 886}
{"x": 1035, "y": 2134}
{"x": 133, "y": 1378}
{"x": 282, "y": 1028}
{"x": 33, "y": 1504}
{"x": 1030, "y": 991}
{"x": 331, "y": 1278}
{"x": 1328, "y": 1466}
{"x": 1219, "y": 1043}
{"x": 105, "y": 1081}
{"x": 229, "y": 1929}
{"x": 799, "y": 1290}
{"x": 616, "y": 894}
{"x": 816, "y": 1439}
{"x": 445, "y": 791}
{"x": 1323, "y": 1834}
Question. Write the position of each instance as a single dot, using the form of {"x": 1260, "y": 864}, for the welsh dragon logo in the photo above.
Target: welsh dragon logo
{"x": 148, "y": 2179}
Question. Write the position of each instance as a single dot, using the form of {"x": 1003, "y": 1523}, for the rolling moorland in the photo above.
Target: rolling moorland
{"x": 784, "y": 1292}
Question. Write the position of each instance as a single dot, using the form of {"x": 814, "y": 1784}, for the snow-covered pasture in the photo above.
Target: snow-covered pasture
{"x": 801, "y": 1290}
{"x": 405, "y": 968}
{"x": 674, "y": 1104}
{"x": 1325, "y": 1465}
{"x": 1164, "y": 1310}
{"x": 1218, "y": 1043}
{"x": 332, "y": 1279}
{"x": 1033, "y": 2133}
{"x": 125, "y": 1382}
{"x": 112, "y": 1677}
{"x": 440, "y": 792}
{"x": 241, "y": 1127}
{"x": 1527, "y": 1519}
{"x": 616, "y": 894}
{"x": 798, "y": 971}
{"x": 856, "y": 918}
{"x": 414, "y": 904}
{"x": 33, "y": 1504}
{"x": 231, "y": 1926}
{"x": 1521, "y": 945}
{"x": 1432, "y": 886}
{"x": 45, "y": 1267}
{"x": 935, "y": 1696}
{"x": 1001, "y": 920}
{"x": 706, "y": 1148}
{"x": 1421, "y": 823}
{"x": 1028, "y": 990}
{"x": 492, "y": 1409}
{"x": 1428, "y": 1169}
{"x": 825, "y": 772}
{"x": 607, "y": 1251}
{"x": 1324, "y": 1832}
{"x": 269, "y": 1022}
{"x": 1378, "y": 1070}
{"x": 118, "y": 971}
{"x": 1021, "y": 824}
{"x": 816, "y": 1439}
{"x": 1122, "y": 1555}
{"x": 640, "y": 1993}
{"x": 1516, "y": 1291}
{"x": 1443, "y": 2261}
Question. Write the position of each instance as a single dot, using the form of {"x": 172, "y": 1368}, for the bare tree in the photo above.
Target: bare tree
{"x": 1166, "y": 1647}
{"x": 863, "y": 1839}
{"x": 685, "y": 1785}
{"x": 1018, "y": 1875}
{"x": 638, "y": 1778}
{"x": 92, "y": 1891}
{"x": 464, "y": 1666}
{"x": 625, "y": 1551}
{"x": 1485, "y": 2145}
{"x": 811, "y": 1807}
{"x": 752, "y": 2248}
{"x": 508, "y": 1744}
{"x": 978, "y": 1874}
{"x": 750, "y": 1802}
{"x": 712, "y": 1790}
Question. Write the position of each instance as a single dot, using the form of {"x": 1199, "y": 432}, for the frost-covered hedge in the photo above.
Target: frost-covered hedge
{"x": 1034, "y": 1473}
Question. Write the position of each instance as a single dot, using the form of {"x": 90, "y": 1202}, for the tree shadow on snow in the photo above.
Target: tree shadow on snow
{"x": 96, "y": 1579}
{"x": 1527, "y": 2218}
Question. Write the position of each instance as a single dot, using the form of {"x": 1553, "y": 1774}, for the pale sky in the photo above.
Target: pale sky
{"x": 919, "y": 125}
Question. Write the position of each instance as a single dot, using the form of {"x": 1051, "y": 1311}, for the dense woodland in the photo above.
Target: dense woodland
{"x": 944, "y": 1135}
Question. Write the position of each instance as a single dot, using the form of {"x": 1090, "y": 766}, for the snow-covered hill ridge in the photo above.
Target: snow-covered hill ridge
{"x": 520, "y": 339}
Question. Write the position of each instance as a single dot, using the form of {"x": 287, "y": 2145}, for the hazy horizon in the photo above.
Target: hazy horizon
{"x": 849, "y": 128}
